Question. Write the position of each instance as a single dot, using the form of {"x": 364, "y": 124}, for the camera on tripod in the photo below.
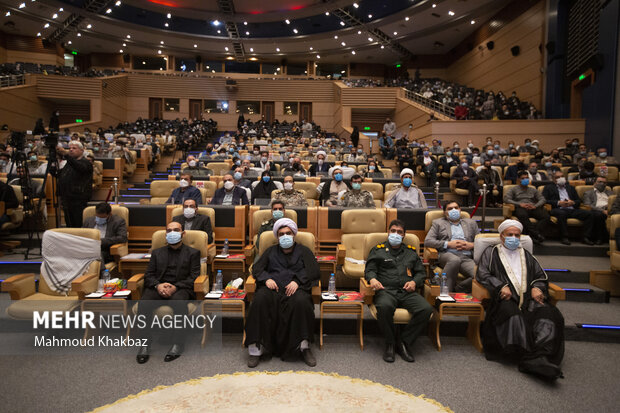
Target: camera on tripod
{"x": 18, "y": 141}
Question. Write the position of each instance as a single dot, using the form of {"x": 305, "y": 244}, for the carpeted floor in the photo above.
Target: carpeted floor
{"x": 458, "y": 376}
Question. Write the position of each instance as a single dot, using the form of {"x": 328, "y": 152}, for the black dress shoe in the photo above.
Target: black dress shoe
{"x": 253, "y": 361}
{"x": 308, "y": 357}
{"x": 143, "y": 354}
{"x": 174, "y": 352}
{"x": 599, "y": 242}
{"x": 565, "y": 241}
{"x": 388, "y": 354}
{"x": 588, "y": 241}
{"x": 403, "y": 352}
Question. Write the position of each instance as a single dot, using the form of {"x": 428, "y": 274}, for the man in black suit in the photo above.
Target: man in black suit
{"x": 169, "y": 280}
{"x": 565, "y": 204}
{"x": 190, "y": 220}
{"x": 112, "y": 227}
{"x": 466, "y": 178}
{"x": 230, "y": 194}
{"x": 320, "y": 167}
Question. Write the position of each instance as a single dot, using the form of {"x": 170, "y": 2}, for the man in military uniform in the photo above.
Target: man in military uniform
{"x": 355, "y": 197}
{"x": 394, "y": 270}
{"x": 277, "y": 212}
{"x": 289, "y": 195}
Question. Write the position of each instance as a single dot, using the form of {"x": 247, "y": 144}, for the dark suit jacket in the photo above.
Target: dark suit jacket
{"x": 200, "y": 223}
{"x": 552, "y": 195}
{"x": 459, "y": 174}
{"x": 187, "y": 270}
{"x": 314, "y": 168}
{"x": 240, "y": 196}
{"x": 115, "y": 233}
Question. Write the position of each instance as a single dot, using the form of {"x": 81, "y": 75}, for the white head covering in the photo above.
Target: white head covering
{"x": 509, "y": 223}
{"x": 406, "y": 171}
{"x": 284, "y": 222}
{"x": 321, "y": 153}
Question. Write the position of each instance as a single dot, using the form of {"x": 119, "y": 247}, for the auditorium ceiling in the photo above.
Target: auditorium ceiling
{"x": 330, "y": 31}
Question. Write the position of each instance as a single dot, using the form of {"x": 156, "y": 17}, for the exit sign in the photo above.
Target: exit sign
{"x": 366, "y": 127}
{"x": 79, "y": 121}
{"x": 581, "y": 77}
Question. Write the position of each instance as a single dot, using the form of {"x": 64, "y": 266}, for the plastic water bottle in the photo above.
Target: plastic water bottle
{"x": 444, "y": 285}
{"x": 106, "y": 276}
{"x": 331, "y": 287}
{"x": 225, "y": 249}
{"x": 219, "y": 280}
{"x": 436, "y": 280}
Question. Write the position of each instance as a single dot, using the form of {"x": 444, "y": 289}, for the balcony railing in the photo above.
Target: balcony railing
{"x": 12, "y": 80}
{"x": 432, "y": 104}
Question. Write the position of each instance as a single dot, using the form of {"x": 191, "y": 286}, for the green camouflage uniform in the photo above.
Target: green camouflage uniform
{"x": 293, "y": 199}
{"x": 358, "y": 199}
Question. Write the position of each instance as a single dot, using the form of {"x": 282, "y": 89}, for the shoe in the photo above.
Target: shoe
{"x": 174, "y": 352}
{"x": 308, "y": 357}
{"x": 403, "y": 352}
{"x": 388, "y": 354}
{"x": 253, "y": 361}
{"x": 599, "y": 242}
{"x": 541, "y": 238}
{"x": 588, "y": 241}
{"x": 540, "y": 366}
{"x": 143, "y": 354}
{"x": 565, "y": 241}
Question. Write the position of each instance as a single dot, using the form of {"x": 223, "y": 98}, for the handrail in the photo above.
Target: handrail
{"x": 430, "y": 103}
{"x": 12, "y": 80}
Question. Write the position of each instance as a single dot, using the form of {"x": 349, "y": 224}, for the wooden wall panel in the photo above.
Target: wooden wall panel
{"x": 20, "y": 107}
{"x": 382, "y": 97}
{"x": 497, "y": 69}
{"x": 68, "y": 87}
{"x": 407, "y": 113}
{"x": 14, "y": 56}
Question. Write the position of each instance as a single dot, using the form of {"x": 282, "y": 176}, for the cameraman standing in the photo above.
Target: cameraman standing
{"x": 75, "y": 182}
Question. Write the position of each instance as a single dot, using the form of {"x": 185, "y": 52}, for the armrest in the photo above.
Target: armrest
{"x": 556, "y": 293}
{"x": 119, "y": 250}
{"x": 548, "y": 207}
{"x": 250, "y": 284}
{"x": 431, "y": 290}
{"x": 211, "y": 252}
{"x": 136, "y": 284}
{"x": 201, "y": 286}
{"x": 479, "y": 292}
{"x": 367, "y": 291}
{"x": 19, "y": 286}
{"x": 248, "y": 250}
{"x": 316, "y": 293}
{"x": 430, "y": 254}
{"x": 507, "y": 210}
{"x": 85, "y": 284}
{"x": 341, "y": 253}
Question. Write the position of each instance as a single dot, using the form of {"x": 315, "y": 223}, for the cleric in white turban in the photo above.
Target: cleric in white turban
{"x": 281, "y": 318}
{"x": 520, "y": 324}
{"x": 320, "y": 167}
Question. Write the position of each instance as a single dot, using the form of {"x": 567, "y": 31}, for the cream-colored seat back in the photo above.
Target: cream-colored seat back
{"x": 483, "y": 241}
{"x": 161, "y": 190}
{"x": 263, "y": 215}
{"x": 267, "y": 239}
{"x": 355, "y": 224}
{"x": 207, "y": 188}
{"x": 195, "y": 239}
{"x": 219, "y": 168}
{"x": 436, "y": 214}
{"x": 375, "y": 188}
{"x": 117, "y": 210}
{"x": 208, "y": 212}
{"x": 309, "y": 188}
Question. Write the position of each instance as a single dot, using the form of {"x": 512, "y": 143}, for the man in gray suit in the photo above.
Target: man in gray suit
{"x": 453, "y": 237}
{"x": 597, "y": 199}
{"x": 191, "y": 220}
{"x": 113, "y": 229}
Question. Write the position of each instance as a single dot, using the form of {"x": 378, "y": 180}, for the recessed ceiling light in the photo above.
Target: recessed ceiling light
{"x": 352, "y": 51}
{"x": 407, "y": 18}
{"x": 395, "y": 33}
{"x": 287, "y": 21}
{"x": 22, "y": 5}
{"x": 120, "y": 51}
{"x": 46, "y": 25}
{"x": 318, "y": 56}
{"x": 54, "y": 15}
{"x": 253, "y": 59}
{"x": 143, "y": 62}
{"x": 356, "y": 5}
{"x": 245, "y": 23}
{"x": 195, "y": 45}
{"x": 434, "y": 5}
{"x": 219, "y": 31}
{"x": 336, "y": 37}
{"x": 247, "y": 33}
{"x": 69, "y": 42}
{"x": 472, "y": 22}
{"x": 216, "y": 23}
{"x": 278, "y": 69}
{"x": 60, "y": 10}
{"x": 311, "y": 48}
{"x": 159, "y": 52}
{"x": 161, "y": 42}
{"x": 277, "y": 49}
{"x": 212, "y": 71}
{"x": 226, "y": 48}
{"x": 251, "y": 49}
{"x": 108, "y": 11}
{"x": 169, "y": 15}
{"x": 359, "y": 32}
{"x": 343, "y": 43}
{"x": 342, "y": 71}
{"x": 8, "y": 13}
{"x": 79, "y": 35}
{"x": 161, "y": 68}
{"x": 327, "y": 13}
{"x": 382, "y": 46}
{"x": 342, "y": 23}
{"x": 451, "y": 13}
{"x": 370, "y": 39}
{"x": 166, "y": 25}
{"x": 118, "y": 3}
{"x": 129, "y": 36}
{"x": 295, "y": 31}
{"x": 90, "y": 26}
{"x": 39, "y": 34}
{"x": 124, "y": 44}
{"x": 370, "y": 16}
{"x": 230, "y": 58}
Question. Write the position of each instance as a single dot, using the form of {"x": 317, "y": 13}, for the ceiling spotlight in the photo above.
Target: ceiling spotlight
{"x": 434, "y": 5}
{"x": 118, "y": 3}
{"x": 245, "y": 23}
{"x": 159, "y": 52}
{"x": 352, "y": 51}
{"x": 327, "y": 13}
{"x": 342, "y": 23}
{"x": 342, "y": 71}
{"x": 370, "y": 16}
{"x": 356, "y": 5}
{"x": 318, "y": 56}
{"x": 253, "y": 59}
{"x": 79, "y": 35}
{"x": 395, "y": 33}
{"x": 277, "y": 49}
{"x": 311, "y": 48}
{"x": 124, "y": 44}
{"x": 90, "y": 26}
{"x": 230, "y": 58}
{"x": 215, "y": 23}
{"x": 161, "y": 42}
{"x": 143, "y": 62}
{"x": 407, "y": 18}
{"x": 359, "y": 32}
{"x": 295, "y": 31}
{"x": 370, "y": 39}
{"x": 46, "y": 25}
{"x": 451, "y": 13}
{"x": 54, "y": 15}
{"x": 22, "y": 5}
{"x": 120, "y": 51}
{"x": 287, "y": 21}
{"x": 195, "y": 45}
{"x": 129, "y": 36}
{"x": 166, "y": 25}
{"x": 108, "y": 11}
{"x": 336, "y": 37}
{"x": 251, "y": 49}
{"x": 212, "y": 71}
{"x": 169, "y": 15}
{"x": 39, "y": 34}
{"x": 472, "y": 22}
{"x": 278, "y": 69}
{"x": 382, "y": 46}
{"x": 226, "y": 48}
{"x": 247, "y": 33}
{"x": 69, "y": 42}
{"x": 8, "y": 13}
{"x": 60, "y": 10}
{"x": 343, "y": 43}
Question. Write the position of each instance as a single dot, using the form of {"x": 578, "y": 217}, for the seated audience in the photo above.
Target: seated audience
{"x": 356, "y": 197}
{"x": 113, "y": 229}
{"x": 330, "y": 190}
{"x": 428, "y": 165}
{"x": 289, "y": 194}
{"x": 597, "y": 199}
{"x": 7, "y": 195}
{"x": 264, "y": 187}
{"x": 491, "y": 177}
{"x": 602, "y": 156}
{"x": 528, "y": 203}
{"x": 536, "y": 175}
{"x": 185, "y": 191}
{"x": 467, "y": 178}
{"x": 407, "y": 195}
{"x": 230, "y": 194}
{"x": 320, "y": 167}
{"x": 192, "y": 220}
{"x": 372, "y": 171}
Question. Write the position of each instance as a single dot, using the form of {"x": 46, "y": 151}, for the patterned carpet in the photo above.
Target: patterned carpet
{"x": 274, "y": 392}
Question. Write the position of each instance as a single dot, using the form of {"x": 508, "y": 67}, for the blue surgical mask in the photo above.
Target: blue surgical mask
{"x": 425, "y": 153}
{"x": 231, "y": 150}
{"x": 338, "y": 177}
{"x": 511, "y": 146}
{"x": 490, "y": 152}
{"x": 395, "y": 239}
{"x": 333, "y": 151}
{"x": 407, "y": 182}
{"x": 465, "y": 165}
{"x": 173, "y": 237}
{"x": 512, "y": 243}
{"x": 277, "y": 214}
{"x": 371, "y": 168}
{"x": 286, "y": 241}
{"x": 360, "y": 151}
{"x": 449, "y": 154}
{"x": 266, "y": 179}
{"x": 525, "y": 181}
{"x": 100, "y": 221}
{"x": 454, "y": 214}
{"x": 548, "y": 164}
{"x": 528, "y": 144}
{"x": 237, "y": 176}
{"x": 33, "y": 158}
{"x": 356, "y": 186}
{"x": 496, "y": 146}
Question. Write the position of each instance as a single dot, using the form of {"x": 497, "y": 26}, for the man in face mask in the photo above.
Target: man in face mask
{"x": 289, "y": 195}
{"x": 528, "y": 203}
{"x": 113, "y": 229}
{"x": 281, "y": 317}
{"x": 597, "y": 199}
{"x": 466, "y": 178}
{"x": 453, "y": 236}
{"x": 356, "y": 197}
{"x": 168, "y": 280}
{"x": 565, "y": 204}
{"x": 330, "y": 190}
{"x": 602, "y": 156}
{"x": 536, "y": 175}
{"x": 185, "y": 191}
{"x": 395, "y": 271}
{"x": 321, "y": 167}
{"x": 520, "y": 323}
{"x": 278, "y": 209}
{"x": 230, "y": 194}
{"x": 408, "y": 195}
{"x": 264, "y": 163}
{"x": 196, "y": 168}
{"x": 493, "y": 180}
{"x": 191, "y": 220}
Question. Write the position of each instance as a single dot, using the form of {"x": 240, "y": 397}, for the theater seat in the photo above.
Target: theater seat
{"x": 614, "y": 254}
{"x": 258, "y": 218}
{"x": 161, "y": 190}
{"x": 376, "y": 189}
{"x": 219, "y": 168}
{"x": 26, "y": 299}
{"x": 116, "y": 250}
{"x": 458, "y": 191}
{"x": 355, "y": 224}
{"x": 16, "y": 215}
{"x": 508, "y": 209}
{"x": 208, "y": 212}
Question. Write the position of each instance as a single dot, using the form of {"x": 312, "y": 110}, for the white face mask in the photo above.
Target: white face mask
{"x": 192, "y": 163}
{"x": 320, "y": 162}
{"x": 288, "y": 186}
{"x": 183, "y": 183}
{"x": 228, "y": 185}
{"x": 189, "y": 213}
